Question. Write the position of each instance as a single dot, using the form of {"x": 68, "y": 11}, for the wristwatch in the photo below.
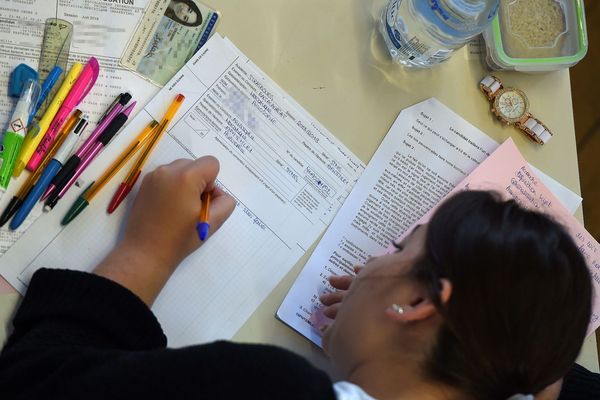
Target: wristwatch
{"x": 511, "y": 106}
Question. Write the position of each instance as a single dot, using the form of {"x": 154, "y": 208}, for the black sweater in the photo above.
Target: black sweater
{"x": 80, "y": 336}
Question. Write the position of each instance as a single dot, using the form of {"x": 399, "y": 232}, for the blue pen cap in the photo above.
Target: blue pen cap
{"x": 47, "y": 86}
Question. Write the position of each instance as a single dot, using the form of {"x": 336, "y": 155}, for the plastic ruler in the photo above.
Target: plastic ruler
{"x": 55, "y": 51}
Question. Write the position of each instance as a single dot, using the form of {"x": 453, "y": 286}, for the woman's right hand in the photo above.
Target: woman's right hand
{"x": 161, "y": 228}
{"x": 162, "y": 223}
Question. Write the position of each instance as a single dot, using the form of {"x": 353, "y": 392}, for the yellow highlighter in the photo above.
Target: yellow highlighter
{"x": 36, "y": 133}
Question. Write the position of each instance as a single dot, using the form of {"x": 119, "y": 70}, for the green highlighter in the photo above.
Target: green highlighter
{"x": 17, "y": 128}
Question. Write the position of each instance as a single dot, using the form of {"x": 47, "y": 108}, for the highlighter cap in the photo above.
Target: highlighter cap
{"x": 83, "y": 84}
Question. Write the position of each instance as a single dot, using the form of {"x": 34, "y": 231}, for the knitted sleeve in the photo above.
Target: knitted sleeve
{"x": 64, "y": 306}
{"x": 580, "y": 384}
{"x": 80, "y": 336}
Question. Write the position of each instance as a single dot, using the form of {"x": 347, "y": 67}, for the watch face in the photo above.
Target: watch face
{"x": 511, "y": 104}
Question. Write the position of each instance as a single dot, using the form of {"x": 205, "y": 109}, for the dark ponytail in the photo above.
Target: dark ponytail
{"x": 521, "y": 298}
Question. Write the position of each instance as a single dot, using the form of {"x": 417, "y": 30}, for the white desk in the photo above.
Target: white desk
{"x": 328, "y": 55}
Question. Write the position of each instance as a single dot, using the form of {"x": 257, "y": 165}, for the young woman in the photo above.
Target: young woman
{"x": 488, "y": 301}
{"x": 184, "y": 12}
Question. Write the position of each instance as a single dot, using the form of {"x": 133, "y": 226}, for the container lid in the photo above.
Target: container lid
{"x": 539, "y": 32}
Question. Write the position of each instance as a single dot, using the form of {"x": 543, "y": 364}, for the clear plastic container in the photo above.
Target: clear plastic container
{"x": 423, "y": 33}
{"x": 537, "y": 35}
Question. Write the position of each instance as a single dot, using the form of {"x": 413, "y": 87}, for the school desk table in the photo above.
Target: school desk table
{"x": 328, "y": 55}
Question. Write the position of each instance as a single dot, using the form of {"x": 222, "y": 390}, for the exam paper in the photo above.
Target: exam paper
{"x": 100, "y": 29}
{"x": 428, "y": 150}
{"x": 288, "y": 174}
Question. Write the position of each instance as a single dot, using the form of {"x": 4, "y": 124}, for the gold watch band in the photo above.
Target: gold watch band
{"x": 535, "y": 129}
{"x": 490, "y": 85}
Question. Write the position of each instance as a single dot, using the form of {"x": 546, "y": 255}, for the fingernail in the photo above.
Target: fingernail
{"x": 323, "y": 328}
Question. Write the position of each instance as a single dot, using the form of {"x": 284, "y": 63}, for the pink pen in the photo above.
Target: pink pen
{"x": 107, "y": 135}
{"x": 80, "y": 89}
{"x": 110, "y": 114}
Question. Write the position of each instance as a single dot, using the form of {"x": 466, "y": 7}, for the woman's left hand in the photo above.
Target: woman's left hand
{"x": 332, "y": 301}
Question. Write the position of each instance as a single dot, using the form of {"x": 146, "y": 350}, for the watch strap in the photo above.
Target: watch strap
{"x": 490, "y": 85}
{"x": 535, "y": 129}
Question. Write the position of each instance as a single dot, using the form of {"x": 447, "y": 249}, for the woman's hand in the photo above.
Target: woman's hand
{"x": 163, "y": 219}
{"x": 333, "y": 301}
{"x": 161, "y": 228}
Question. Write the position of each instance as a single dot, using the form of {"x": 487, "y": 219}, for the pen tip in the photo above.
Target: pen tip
{"x": 51, "y": 202}
{"x": 10, "y": 210}
{"x": 129, "y": 108}
{"x": 15, "y": 224}
{"x": 118, "y": 197}
{"x": 79, "y": 205}
{"x": 5, "y": 217}
{"x": 202, "y": 229}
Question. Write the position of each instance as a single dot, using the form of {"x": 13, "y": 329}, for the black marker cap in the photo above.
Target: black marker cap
{"x": 125, "y": 98}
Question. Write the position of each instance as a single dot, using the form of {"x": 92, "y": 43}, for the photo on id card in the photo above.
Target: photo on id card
{"x": 167, "y": 36}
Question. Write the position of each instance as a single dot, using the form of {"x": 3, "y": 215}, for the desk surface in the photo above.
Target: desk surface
{"x": 330, "y": 58}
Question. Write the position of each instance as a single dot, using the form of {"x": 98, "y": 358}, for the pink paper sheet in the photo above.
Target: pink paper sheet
{"x": 507, "y": 172}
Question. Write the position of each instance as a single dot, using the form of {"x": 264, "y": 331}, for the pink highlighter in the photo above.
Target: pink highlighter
{"x": 80, "y": 89}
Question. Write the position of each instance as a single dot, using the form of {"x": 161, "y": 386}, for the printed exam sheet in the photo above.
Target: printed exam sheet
{"x": 288, "y": 174}
{"x": 100, "y": 29}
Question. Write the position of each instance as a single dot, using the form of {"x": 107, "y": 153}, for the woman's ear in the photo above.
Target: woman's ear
{"x": 445, "y": 290}
{"x": 422, "y": 309}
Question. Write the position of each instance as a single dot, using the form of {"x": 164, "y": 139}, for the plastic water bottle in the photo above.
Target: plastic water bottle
{"x": 422, "y": 33}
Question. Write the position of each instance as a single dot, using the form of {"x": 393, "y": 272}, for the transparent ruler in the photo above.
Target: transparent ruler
{"x": 55, "y": 51}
